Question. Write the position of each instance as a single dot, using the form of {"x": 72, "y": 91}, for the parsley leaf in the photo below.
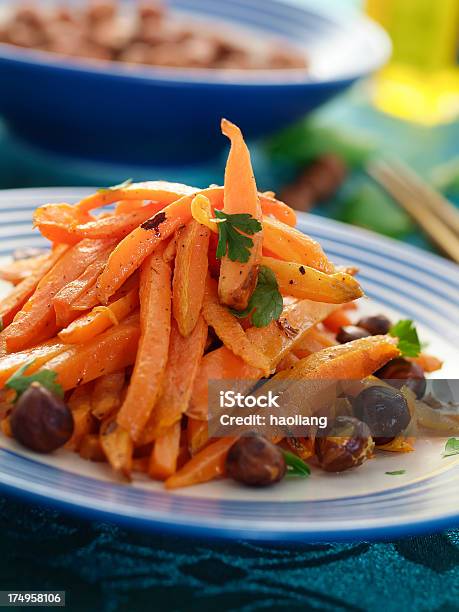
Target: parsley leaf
{"x": 295, "y": 465}
{"x": 231, "y": 241}
{"x": 122, "y": 185}
{"x": 408, "y": 340}
{"x": 396, "y": 473}
{"x": 265, "y": 304}
{"x": 451, "y": 447}
{"x": 19, "y": 382}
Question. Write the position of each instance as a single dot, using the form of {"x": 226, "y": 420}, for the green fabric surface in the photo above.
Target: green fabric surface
{"x": 107, "y": 568}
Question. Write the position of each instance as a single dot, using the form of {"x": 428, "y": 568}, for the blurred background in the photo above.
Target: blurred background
{"x": 313, "y": 84}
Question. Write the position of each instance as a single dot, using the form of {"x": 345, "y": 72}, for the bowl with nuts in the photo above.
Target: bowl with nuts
{"x": 144, "y": 82}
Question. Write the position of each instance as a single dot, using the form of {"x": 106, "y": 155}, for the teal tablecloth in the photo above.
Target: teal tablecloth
{"x": 104, "y": 567}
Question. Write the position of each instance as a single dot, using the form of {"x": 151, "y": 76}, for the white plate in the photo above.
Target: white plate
{"x": 362, "y": 503}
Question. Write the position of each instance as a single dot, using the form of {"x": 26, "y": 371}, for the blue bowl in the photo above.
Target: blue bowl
{"x": 144, "y": 115}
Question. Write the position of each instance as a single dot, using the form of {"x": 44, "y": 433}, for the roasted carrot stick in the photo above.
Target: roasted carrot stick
{"x": 91, "y": 448}
{"x": 352, "y": 361}
{"x": 197, "y": 435}
{"x": 163, "y": 460}
{"x": 207, "y": 465}
{"x": 88, "y": 300}
{"x": 49, "y": 221}
{"x": 106, "y": 395}
{"x": 71, "y": 292}
{"x": 290, "y": 244}
{"x": 229, "y": 330}
{"x": 277, "y": 209}
{"x": 99, "y": 319}
{"x": 190, "y": 275}
{"x": 337, "y": 319}
{"x": 117, "y": 446}
{"x": 157, "y": 191}
{"x": 16, "y": 271}
{"x": 308, "y": 283}
{"x": 37, "y": 316}
{"x": 39, "y": 355}
{"x": 16, "y": 299}
{"x": 150, "y": 366}
{"x": 183, "y": 362}
{"x": 237, "y": 280}
{"x": 429, "y": 363}
{"x": 111, "y": 351}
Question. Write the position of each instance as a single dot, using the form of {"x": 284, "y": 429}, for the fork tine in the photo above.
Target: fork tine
{"x": 435, "y": 200}
{"x": 433, "y": 226}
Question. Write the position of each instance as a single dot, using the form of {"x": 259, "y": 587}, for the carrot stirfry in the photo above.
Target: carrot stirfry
{"x": 139, "y": 307}
{"x": 117, "y": 446}
{"x": 238, "y": 279}
{"x": 207, "y": 465}
{"x": 99, "y": 319}
{"x": 184, "y": 358}
{"x": 307, "y": 283}
{"x": 37, "y": 317}
{"x": 111, "y": 351}
{"x": 150, "y": 365}
{"x": 229, "y": 330}
{"x": 190, "y": 275}
{"x": 106, "y": 394}
{"x": 163, "y": 461}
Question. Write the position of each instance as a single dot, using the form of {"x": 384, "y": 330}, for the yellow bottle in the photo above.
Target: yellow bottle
{"x": 421, "y": 82}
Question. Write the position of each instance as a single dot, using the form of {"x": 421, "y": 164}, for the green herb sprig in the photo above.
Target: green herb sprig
{"x": 265, "y": 304}
{"x": 408, "y": 340}
{"x": 396, "y": 473}
{"x": 231, "y": 241}
{"x": 19, "y": 382}
{"x": 451, "y": 447}
{"x": 295, "y": 465}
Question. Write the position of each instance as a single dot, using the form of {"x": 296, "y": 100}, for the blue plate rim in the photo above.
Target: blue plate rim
{"x": 237, "y": 531}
